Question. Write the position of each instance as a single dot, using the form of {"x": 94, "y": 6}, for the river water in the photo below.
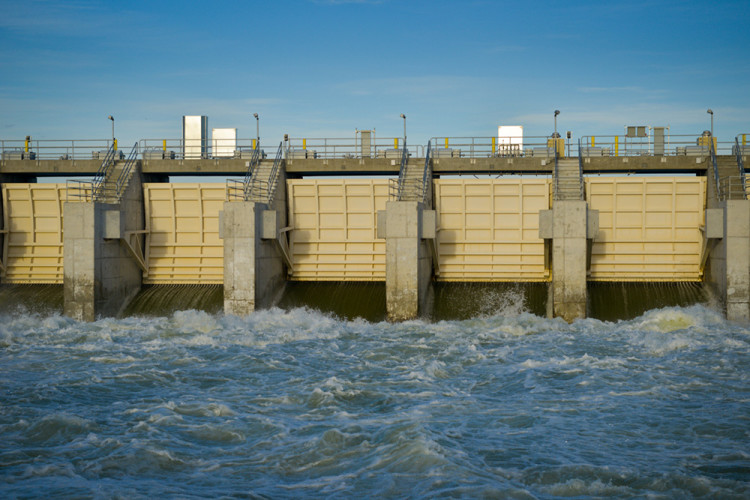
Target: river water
{"x": 298, "y": 403}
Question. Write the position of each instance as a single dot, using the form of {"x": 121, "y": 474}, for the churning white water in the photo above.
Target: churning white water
{"x": 289, "y": 404}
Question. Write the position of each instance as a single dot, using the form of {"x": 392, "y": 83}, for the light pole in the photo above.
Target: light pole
{"x": 557, "y": 112}
{"x": 711, "y": 112}
{"x": 114, "y": 144}
{"x": 404, "y": 117}
{"x": 257, "y": 129}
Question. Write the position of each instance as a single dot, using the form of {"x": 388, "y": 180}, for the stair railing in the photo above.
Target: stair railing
{"x": 274, "y": 177}
{"x": 740, "y": 164}
{"x": 427, "y": 174}
{"x": 254, "y": 161}
{"x": 580, "y": 169}
{"x": 97, "y": 185}
{"x": 715, "y": 166}
{"x": 122, "y": 179}
{"x": 557, "y": 177}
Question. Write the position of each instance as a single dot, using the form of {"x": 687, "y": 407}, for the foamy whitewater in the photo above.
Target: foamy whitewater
{"x": 290, "y": 404}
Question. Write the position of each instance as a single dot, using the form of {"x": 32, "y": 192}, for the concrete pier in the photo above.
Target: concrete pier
{"x": 568, "y": 227}
{"x": 408, "y": 267}
{"x": 254, "y": 273}
{"x": 728, "y": 273}
{"x": 101, "y": 243}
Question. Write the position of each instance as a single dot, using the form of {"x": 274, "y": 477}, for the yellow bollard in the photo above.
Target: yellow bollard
{"x": 446, "y": 143}
{"x": 27, "y": 145}
{"x": 115, "y": 144}
{"x": 395, "y": 143}
{"x": 164, "y": 145}
{"x": 743, "y": 139}
{"x": 254, "y": 145}
{"x": 593, "y": 141}
{"x": 304, "y": 143}
{"x": 493, "y": 146}
{"x": 617, "y": 145}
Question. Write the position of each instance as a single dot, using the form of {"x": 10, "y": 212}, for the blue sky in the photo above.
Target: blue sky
{"x": 322, "y": 68}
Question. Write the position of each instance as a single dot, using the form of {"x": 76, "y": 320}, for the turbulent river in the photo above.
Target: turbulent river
{"x": 297, "y": 403}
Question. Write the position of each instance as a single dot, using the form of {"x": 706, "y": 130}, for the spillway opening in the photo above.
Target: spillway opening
{"x": 622, "y": 301}
{"x": 165, "y": 300}
{"x": 348, "y": 300}
{"x": 458, "y": 301}
{"x": 34, "y": 299}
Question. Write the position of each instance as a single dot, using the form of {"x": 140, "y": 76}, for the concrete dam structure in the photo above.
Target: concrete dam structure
{"x": 478, "y": 210}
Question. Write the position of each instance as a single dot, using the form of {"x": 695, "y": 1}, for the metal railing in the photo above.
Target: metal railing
{"x": 580, "y": 170}
{"x": 178, "y": 149}
{"x": 741, "y": 163}
{"x": 715, "y": 166}
{"x": 124, "y": 176}
{"x": 273, "y": 179}
{"x": 84, "y": 149}
{"x": 261, "y": 190}
{"x": 239, "y": 189}
{"x": 330, "y": 148}
{"x": 493, "y": 147}
{"x": 427, "y": 174}
{"x": 673, "y": 145}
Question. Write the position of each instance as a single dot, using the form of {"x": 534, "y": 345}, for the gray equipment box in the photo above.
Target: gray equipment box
{"x": 301, "y": 154}
{"x": 100, "y": 155}
{"x": 446, "y": 153}
{"x": 18, "y": 154}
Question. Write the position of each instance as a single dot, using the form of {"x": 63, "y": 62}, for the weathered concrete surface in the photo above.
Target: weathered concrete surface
{"x": 254, "y": 273}
{"x": 568, "y": 259}
{"x": 363, "y": 166}
{"x": 100, "y": 276}
{"x": 728, "y": 271}
{"x": 408, "y": 266}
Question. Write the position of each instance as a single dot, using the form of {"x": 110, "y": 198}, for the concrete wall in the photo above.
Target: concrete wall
{"x": 100, "y": 275}
{"x": 408, "y": 267}
{"x": 254, "y": 272}
{"x": 728, "y": 270}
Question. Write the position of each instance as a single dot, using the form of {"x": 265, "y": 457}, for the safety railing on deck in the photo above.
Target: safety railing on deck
{"x": 178, "y": 149}
{"x": 650, "y": 145}
{"x": 84, "y": 149}
{"x": 354, "y": 148}
{"x": 493, "y": 147}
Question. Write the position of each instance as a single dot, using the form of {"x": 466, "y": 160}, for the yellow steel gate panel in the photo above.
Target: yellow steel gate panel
{"x": 33, "y": 243}
{"x": 334, "y": 225}
{"x": 183, "y": 245}
{"x": 489, "y": 229}
{"x": 649, "y": 228}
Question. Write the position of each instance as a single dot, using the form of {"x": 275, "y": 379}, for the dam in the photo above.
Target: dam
{"x": 633, "y": 208}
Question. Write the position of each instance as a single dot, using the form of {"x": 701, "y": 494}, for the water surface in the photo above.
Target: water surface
{"x": 297, "y": 403}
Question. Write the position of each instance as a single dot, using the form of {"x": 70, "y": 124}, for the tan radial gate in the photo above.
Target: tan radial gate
{"x": 489, "y": 229}
{"x": 649, "y": 228}
{"x": 32, "y": 233}
{"x": 182, "y": 243}
{"x": 334, "y": 225}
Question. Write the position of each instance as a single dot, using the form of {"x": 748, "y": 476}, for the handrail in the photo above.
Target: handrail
{"x": 97, "y": 192}
{"x": 402, "y": 171}
{"x": 273, "y": 178}
{"x": 250, "y": 168}
{"x": 122, "y": 179}
{"x": 740, "y": 164}
{"x": 425, "y": 177}
{"x": 580, "y": 169}
{"x": 712, "y": 151}
{"x": 557, "y": 177}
